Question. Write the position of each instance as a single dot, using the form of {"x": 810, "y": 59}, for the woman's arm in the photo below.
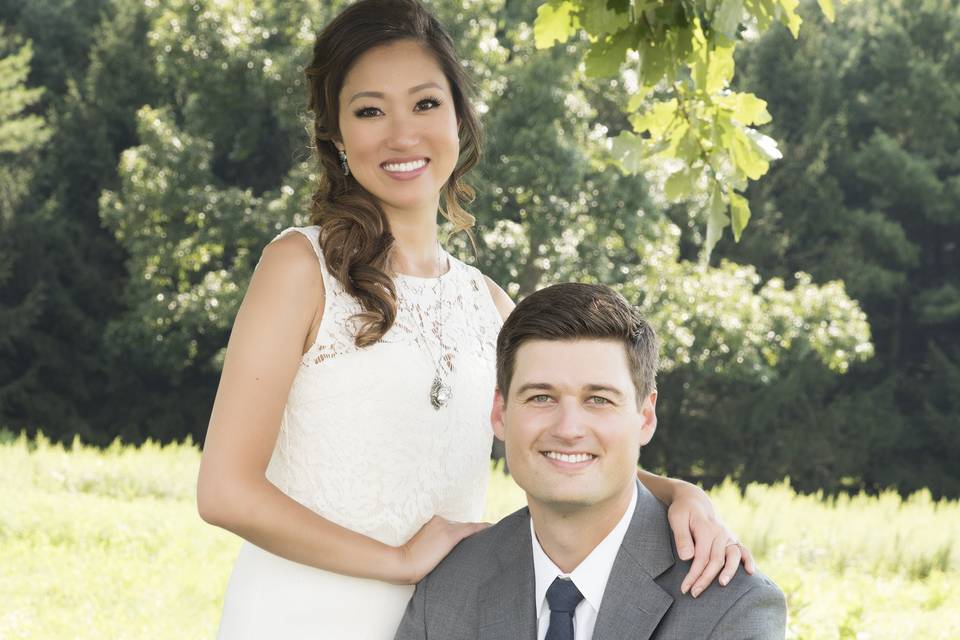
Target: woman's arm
{"x": 698, "y": 533}
{"x": 283, "y": 302}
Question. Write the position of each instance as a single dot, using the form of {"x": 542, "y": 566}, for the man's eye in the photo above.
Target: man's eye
{"x": 366, "y": 112}
{"x": 599, "y": 400}
{"x": 428, "y": 103}
{"x": 539, "y": 398}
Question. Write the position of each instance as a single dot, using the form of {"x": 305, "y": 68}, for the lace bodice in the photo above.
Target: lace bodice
{"x": 360, "y": 442}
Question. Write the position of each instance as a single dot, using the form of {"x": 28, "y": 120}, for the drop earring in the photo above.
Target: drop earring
{"x": 343, "y": 161}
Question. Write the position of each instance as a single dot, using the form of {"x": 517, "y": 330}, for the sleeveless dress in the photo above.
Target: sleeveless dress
{"x": 361, "y": 444}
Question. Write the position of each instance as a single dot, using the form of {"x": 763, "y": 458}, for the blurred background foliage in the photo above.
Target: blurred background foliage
{"x": 160, "y": 145}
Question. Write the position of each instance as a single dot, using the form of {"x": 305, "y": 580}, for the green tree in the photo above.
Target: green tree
{"x": 867, "y": 114}
{"x": 22, "y": 135}
{"x": 679, "y": 59}
{"x": 220, "y": 165}
{"x": 65, "y": 374}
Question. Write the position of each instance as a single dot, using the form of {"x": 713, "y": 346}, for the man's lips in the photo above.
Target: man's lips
{"x": 569, "y": 459}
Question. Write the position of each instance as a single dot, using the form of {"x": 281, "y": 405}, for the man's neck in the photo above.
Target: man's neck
{"x": 568, "y": 535}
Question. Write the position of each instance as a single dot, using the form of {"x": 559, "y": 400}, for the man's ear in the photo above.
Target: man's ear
{"x": 496, "y": 414}
{"x": 648, "y": 416}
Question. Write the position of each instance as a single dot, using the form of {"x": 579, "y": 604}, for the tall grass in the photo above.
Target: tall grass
{"x": 107, "y": 544}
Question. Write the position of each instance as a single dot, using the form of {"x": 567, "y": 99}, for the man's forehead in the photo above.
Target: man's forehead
{"x": 580, "y": 361}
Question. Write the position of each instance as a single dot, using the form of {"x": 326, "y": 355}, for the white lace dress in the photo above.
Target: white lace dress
{"x": 361, "y": 444}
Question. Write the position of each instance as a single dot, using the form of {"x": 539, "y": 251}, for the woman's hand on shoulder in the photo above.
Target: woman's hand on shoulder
{"x": 262, "y": 358}
{"x": 429, "y": 546}
{"x": 701, "y": 535}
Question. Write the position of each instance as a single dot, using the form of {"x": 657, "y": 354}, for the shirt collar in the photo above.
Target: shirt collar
{"x": 591, "y": 575}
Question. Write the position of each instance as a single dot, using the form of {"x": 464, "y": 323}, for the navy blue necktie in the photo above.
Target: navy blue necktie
{"x": 563, "y": 598}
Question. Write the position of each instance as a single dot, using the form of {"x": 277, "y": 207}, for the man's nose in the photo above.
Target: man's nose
{"x": 571, "y": 421}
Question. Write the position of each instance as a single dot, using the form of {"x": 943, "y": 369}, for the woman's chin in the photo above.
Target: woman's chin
{"x": 414, "y": 203}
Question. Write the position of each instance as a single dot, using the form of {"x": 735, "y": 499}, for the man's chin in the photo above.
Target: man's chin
{"x": 562, "y": 501}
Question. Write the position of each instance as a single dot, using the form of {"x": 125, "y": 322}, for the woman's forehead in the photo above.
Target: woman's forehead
{"x": 394, "y": 68}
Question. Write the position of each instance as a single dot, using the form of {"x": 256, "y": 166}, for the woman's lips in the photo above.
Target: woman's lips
{"x": 405, "y": 170}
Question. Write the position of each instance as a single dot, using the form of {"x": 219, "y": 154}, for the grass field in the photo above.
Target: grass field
{"x": 106, "y": 544}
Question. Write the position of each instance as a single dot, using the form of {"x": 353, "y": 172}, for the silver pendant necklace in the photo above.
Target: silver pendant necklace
{"x": 440, "y": 391}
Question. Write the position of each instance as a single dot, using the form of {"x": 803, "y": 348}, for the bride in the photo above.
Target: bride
{"x": 349, "y": 440}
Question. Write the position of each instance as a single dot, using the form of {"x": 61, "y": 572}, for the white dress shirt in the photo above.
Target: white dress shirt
{"x": 590, "y": 577}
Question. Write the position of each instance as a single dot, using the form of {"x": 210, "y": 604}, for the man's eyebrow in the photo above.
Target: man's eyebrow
{"x": 378, "y": 94}
{"x": 539, "y": 386}
{"x": 605, "y": 387}
{"x": 545, "y": 386}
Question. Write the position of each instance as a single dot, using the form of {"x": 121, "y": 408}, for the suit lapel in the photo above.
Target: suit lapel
{"x": 506, "y": 602}
{"x": 633, "y": 603}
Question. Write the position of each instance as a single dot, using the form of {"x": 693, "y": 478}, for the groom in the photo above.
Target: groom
{"x": 592, "y": 555}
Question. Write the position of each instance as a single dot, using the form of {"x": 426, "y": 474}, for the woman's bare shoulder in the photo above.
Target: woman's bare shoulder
{"x": 291, "y": 256}
{"x": 500, "y": 298}
{"x": 286, "y": 289}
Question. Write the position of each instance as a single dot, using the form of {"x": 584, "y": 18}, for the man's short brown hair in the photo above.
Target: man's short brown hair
{"x": 575, "y": 311}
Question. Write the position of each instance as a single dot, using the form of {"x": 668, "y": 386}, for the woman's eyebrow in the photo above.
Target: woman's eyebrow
{"x": 378, "y": 94}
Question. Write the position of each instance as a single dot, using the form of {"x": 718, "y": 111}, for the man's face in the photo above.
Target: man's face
{"x": 572, "y": 423}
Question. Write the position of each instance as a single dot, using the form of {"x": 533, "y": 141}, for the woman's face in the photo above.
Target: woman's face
{"x": 399, "y": 126}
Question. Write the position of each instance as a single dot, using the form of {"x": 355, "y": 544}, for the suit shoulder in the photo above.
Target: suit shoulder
{"x": 485, "y": 543}
{"x": 748, "y": 607}
{"x": 760, "y": 611}
{"x": 759, "y": 587}
{"x": 746, "y": 582}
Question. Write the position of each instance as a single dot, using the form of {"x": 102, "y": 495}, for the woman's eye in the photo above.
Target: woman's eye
{"x": 428, "y": 103}
{"x": 366, "y": 112}
{"x": 423, "y": 105}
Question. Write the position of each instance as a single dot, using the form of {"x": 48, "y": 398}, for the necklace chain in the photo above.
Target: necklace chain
{"x": 440, "y": 391}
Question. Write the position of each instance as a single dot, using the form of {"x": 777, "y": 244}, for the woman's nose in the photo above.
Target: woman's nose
{"x": 403, "y": 133}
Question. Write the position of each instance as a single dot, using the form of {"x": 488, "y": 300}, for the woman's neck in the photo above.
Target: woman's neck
{"x": 415, "y": 249}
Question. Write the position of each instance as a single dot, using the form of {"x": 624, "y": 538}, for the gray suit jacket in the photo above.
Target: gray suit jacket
{"x": 484, "y": 590}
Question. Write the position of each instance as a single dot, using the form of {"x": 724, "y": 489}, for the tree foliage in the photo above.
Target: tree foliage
{"x": 677, "y": 56}
{"x": 22, "y": 135}
{"x": 867, "y": 113}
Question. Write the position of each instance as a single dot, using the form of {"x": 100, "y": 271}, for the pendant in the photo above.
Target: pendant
{"x": 439, "y": 393}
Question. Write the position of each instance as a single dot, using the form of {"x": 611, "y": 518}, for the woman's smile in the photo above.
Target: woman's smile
{"x": 405, "y": 168}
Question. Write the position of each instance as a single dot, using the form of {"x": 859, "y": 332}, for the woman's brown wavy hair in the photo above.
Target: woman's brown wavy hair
{"x": 355, "y": 233}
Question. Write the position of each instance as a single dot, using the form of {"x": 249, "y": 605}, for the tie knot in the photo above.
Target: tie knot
{"x": 563, "y": 596}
